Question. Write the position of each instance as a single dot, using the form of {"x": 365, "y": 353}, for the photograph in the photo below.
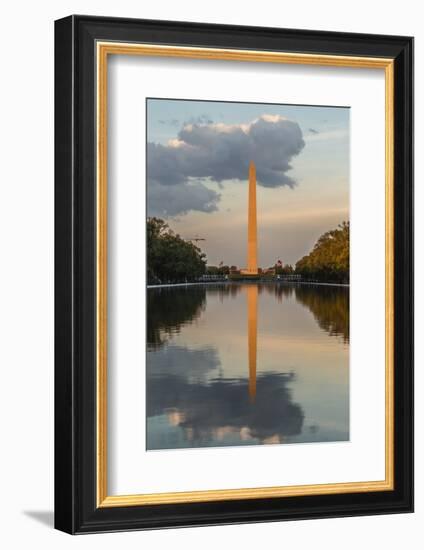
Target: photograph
{"x": 226, "y": 351}
{"x": 247, "y": 224}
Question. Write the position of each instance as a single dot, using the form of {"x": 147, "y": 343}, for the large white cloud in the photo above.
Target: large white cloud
{"x": 218, "y": 152}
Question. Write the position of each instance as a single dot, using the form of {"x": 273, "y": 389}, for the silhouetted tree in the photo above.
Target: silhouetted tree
{"x": 169, "y": 257}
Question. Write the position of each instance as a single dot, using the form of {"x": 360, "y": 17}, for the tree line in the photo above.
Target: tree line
{"x": 328, "y": 261}
{"x": 170, "y": 258}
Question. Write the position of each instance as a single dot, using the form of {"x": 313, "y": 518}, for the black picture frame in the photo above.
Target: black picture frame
{"x": 76, "y": 508}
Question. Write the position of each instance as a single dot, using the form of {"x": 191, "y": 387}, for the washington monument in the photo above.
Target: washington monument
{"x": 252, "y": 237}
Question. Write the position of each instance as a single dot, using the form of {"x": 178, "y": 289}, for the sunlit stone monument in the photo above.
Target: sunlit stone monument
{"x": 252, "y": 237}
{"x": 252, "y": 229}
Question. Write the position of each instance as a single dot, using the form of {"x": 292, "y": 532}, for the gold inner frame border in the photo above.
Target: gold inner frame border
{"x": 103, "y": 50}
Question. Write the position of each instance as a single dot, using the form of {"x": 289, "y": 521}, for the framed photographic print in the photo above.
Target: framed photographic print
{"x": 233, "y": 274}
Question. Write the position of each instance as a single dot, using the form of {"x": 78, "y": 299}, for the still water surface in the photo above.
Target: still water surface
{"x": 247, "y": 364}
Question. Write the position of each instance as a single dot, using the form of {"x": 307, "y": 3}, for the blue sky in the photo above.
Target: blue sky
{"x": 165, "y": 117}
{"x": 198, "y": 153}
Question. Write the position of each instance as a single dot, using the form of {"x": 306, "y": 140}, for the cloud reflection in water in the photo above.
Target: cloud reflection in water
{"x": 201, "y": 365}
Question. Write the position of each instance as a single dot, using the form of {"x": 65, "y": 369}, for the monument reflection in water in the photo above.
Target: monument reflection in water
{"x": 215, "y": 380}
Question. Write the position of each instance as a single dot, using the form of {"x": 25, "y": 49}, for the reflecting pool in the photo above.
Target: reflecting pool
{"x": 247, "y": 364}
